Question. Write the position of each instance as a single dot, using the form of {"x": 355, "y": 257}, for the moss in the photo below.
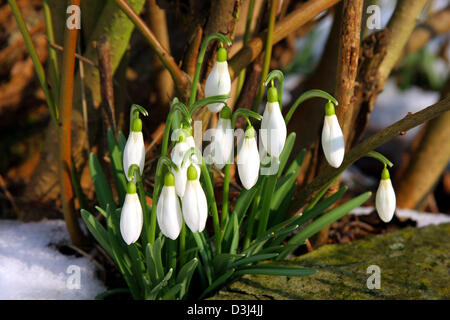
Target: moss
{"x": 414, "y": 264}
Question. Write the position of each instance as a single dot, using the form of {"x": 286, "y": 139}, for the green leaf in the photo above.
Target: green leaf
{"x": 122, "y": 141}
{"x": 117, "y": 166}
{"x": 287, "y": 149}
{"x": 154, "y": 261}
{"x": 310, "y": 214}
{"x": 97, "y": 230}
{"x": 222, "y": 262}
{"x": 185, "y": 275}
{"x": 219, "y": 282}
{"x": 288, "y": 180}
{"x": 253, "y": 259}
{"x": 107, "y": 293}
{"x": 273, "y": 270}
{"x": 322, "y": 222}
{"x": 102, "y": 189}
{"x": 156, "y": 290}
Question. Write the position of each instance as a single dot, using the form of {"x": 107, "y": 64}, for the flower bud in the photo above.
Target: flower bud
{"x": 385, "y": 201}
{"x": 248, "y": 159}
{"x": 195, "y": 205}
{"x": 134, "y": 152}
{"x": 218, "y": 81}
{"x": 131, "y": 218}
{"x": 168, "y": 211}
{"x": 273, "y": 126}
{"x": 332, "y": 138}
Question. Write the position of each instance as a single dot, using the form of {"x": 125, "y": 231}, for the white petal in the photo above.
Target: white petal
{"x": 222, "y": 145}
{"x": 177, "y": 156}
{"x": 333, "y": 141}
{"x": 131, "y": 219}
{"x": 385, "y": 201}
{"x": 248, "y": 162}
{"x": 195, "y": 207}
{"x": 168, "y": 213}
{"x": 134, "y": 152}
{"x": 273, "y": 129}
{"x": 218, "y": 83}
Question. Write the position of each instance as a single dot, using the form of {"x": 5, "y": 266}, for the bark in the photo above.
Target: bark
{"x": 426, "y": 162}
{"x": 161, "y": 76}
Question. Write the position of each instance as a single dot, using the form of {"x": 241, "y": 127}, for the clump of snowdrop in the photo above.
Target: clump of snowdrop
{"x": 248, "y": 160}
{"x": 131, "y": 218}
{"x": 273, "y": 126}
{"x": 332, "y": 137}
{"x": 134, "y": 152}
{"x": 385, "y": 201}
{"x": 194, "y": 204}
{"x": 219, "y": 80}
{"x": 168, "y": 210}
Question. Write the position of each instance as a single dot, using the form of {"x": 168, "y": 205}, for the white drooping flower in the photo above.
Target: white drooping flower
{"x": 134, "y": 152}
{"x": 194, "y": 204}
{"x": 168, "y": 211}
{"x": 131, "y": 218}
{"x": 248, "y": 159}
{"x": 332, "y": 137}
{"x": 218, "y": 81}
{"x": 385, "y": 200}
{"x": 222, "y": 144}
{"x": 177, "y": 156}
{"x": 273, "y": 126}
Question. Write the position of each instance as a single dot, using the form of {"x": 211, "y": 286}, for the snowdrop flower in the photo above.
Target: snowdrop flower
{"x": 385, "y": 201}
{"x": 168, "y": 211}
{"x": 248, "y": 159}
{"x": 134, "y": 152}
{"x": 273, "y": 126}
{"x": 218, "y": 81}
{"x": 195, "y": 206}
{"x": 131, "y": 218}
{"x": 332, "y": 138}
{"x": 222, "y": 144}
{"x": 177, "y": 156}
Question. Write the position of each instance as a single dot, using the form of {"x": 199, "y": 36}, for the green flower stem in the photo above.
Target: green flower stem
{"x": 380, "y": 157}
{"x": 314, "y": 93}
{"x": 226, "y": 189}
{"x": 267, "y": 52}
{"x": 134, "y": 112}
{"x": 271, "y": 182}
{"x": 245, "y": 40}
{"x": 251, "y": 220}
{"x": 182, "y": 244}
{"x": 40, "y": 73}
{"x": 213, "y": 205}
{"x": 201, "y": 56}
{"x": 245, "y": 113}
{"x": 176, "y": 105}
{"x": 276, "y": 74}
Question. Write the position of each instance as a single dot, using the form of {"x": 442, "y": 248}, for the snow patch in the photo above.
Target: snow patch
{"x": 422, "y": 218}
{"x": 31, "y": 267}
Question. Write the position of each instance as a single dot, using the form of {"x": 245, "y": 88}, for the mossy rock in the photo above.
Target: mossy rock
{"x": 414, "y": 264}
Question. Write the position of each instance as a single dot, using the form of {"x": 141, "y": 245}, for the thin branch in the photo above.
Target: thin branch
{"x": 283, "y": 28}
{"x": 65, "y": 157}
{"x": 78, "y": 56}
{"x": 371, "y": 143}
{"x": 438, "y": 23}
{"x": 179, "y": 77}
